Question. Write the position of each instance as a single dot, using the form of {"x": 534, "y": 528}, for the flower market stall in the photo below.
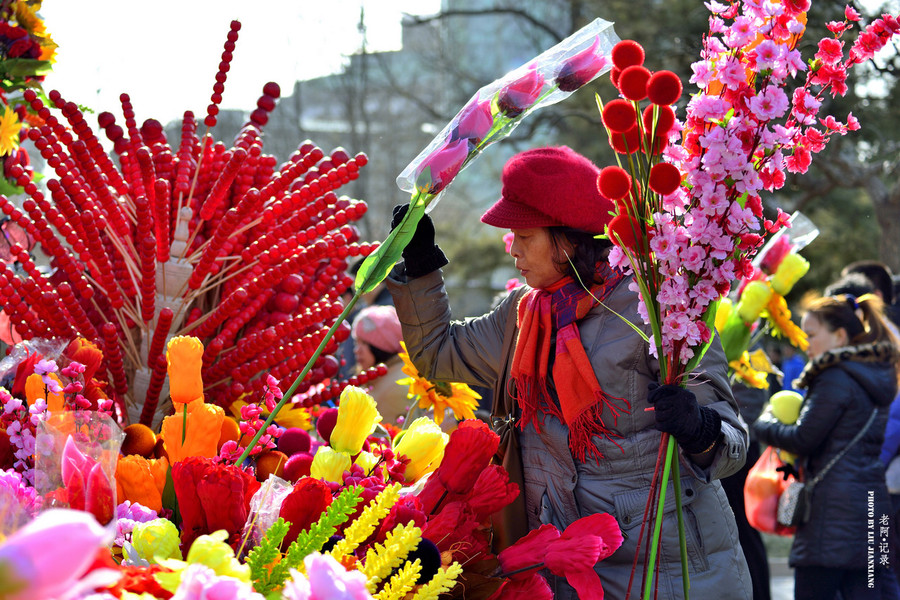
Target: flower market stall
{"x": 172, "y": 424}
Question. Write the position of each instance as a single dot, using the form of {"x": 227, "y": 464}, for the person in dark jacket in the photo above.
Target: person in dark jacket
{"x": 571, "y": 381}
{"x": 852, "y": 372}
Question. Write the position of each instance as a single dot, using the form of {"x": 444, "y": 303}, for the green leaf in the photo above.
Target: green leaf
{"x": 735, "y": 336}
{"x": 8, "y": 188}
{"x": 318, "y": 533}
{"x": 265, "y": 553}
{"x": 709, "y": 318}
{"x": 169, "y": 499}
{"x": 378, "y": 264}
{"x": 25, "y": 67}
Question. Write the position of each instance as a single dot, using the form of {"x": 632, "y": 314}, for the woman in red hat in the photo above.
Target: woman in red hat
{"x": 573, "y": 383}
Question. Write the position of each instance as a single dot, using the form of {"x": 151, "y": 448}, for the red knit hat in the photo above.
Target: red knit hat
{"x": 547, "y": 187}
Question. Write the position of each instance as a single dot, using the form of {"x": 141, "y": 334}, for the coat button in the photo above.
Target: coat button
{"x": 574, "y": 478}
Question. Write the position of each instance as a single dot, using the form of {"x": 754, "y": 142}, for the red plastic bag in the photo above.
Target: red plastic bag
{"x": 763, "y": 487}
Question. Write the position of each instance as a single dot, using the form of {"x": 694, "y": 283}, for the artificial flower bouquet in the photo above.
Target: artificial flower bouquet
{"x": 760, "y": 306}
{"x": 338, "y": 509}
{"x": 689, "y": 213}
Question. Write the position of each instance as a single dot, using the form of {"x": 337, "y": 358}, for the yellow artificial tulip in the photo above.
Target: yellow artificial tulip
{"x": 723, "y": 311}
{"x": 423, "y": 443}
{"x": 329, "y": 465}
{"x": 754, "y": 299}
{"x": 792, "y": 268}
{"x": 367, "y": 461}
{"x": 137, "y": 481}
{"x": 184, "y": 356}
{"x": 356, "y": 420}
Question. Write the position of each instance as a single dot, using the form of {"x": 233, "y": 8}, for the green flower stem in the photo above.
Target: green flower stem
{"x": 290, "y": 391}
{"x": 682, "y": 542}
{"x": 657, "y": 525}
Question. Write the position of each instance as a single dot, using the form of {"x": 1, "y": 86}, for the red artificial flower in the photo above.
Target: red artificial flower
{"x": 664, "y": 88}
{"x": 581, "y": 68}
{"x": 619, "y": 116}
{"x": 456, "y": 530}
{"x": 442, "y": 165}
{"x": 23, "y": 370}
{"x": 614, "y": 182}
{"x": 664, "y": 178}
{"x": 210, "y": 497}
{"x": 469, "y": 451}
{"x": 533, "y": 587}
{"x": 492, "y": 492}
{"x": 529, "y": 551}
{"x": 665, "y": 119}
{"x": 623, "y": 231}
{"x": 304, "y": 506}
{"x": 140, "y": 580}
{"x": 614, "y": 76}
{"x": 628, "y": 142}
{"x": 627, "y": 53}
{"x": 475, "y": 120}
{"x": 408, "y": 509}
{"x": 633, "y": 82}
{"x": 520, "y": 94}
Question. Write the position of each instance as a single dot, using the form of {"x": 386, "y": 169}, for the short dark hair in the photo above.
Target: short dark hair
{"x": 589, "y": 250}
{"x": 855, "y": 284}
{"x": 878, "y": 273}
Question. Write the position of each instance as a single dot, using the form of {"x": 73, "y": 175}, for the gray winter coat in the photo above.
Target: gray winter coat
{"x": 558, "y": 489}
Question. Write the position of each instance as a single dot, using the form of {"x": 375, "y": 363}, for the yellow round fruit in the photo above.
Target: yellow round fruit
{"x": 786, "y": 406}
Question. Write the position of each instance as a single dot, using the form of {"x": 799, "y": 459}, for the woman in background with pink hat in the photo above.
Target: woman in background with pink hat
{"x": 574, "y": 384}
{"x": 376, "y": 339}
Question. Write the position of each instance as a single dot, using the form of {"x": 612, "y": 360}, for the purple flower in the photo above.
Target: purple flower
{"x": 581, "y": 68}
{"x": 475, "y": 120}
{"x": 520, "y": 94}
{"x": 441, "y": 166}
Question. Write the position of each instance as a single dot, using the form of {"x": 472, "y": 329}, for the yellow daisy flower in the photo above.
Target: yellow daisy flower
{"x": 779, "y": 316}
{"x": 9, "y": 131}
{"x": 753, "y": 369}
{"x": 458, "y": 397}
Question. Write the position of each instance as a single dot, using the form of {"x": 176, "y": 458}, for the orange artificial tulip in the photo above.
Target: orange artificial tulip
{"x": 184, "y": 355}
{"x": 137, "y": 483}
{"x": 204, "y": 427}
{"x": 36, "y": 388}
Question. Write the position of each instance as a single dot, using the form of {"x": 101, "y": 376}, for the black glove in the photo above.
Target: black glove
{"x": 786, "y": 470}
{"x": 421, "y": 255}
{"x": 677, "y": 412}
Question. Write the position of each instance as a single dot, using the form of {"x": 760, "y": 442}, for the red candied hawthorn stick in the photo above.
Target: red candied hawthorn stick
{"x": 222, "y": 184}
{"x": 113, "y": 355}
{"x": 213, "y": 109}
{"x": 154, "y": 389}
{"x": 161, "y": 219}
{"x": 76, "y": 311}
{"x": 226, "y": 309}
{"x": 158, "y": 341}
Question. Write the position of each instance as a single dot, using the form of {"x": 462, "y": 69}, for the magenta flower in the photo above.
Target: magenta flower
{"x": 581, "y": 68}
{"x": 585, "y": 542}
{"x": 520, "y": 94}
{"x": 441, "y": 166}
{"x": 475, "y": 121}
{"x": 87, "y": 486}
{"x": 326, "y": 579}
{"x": 199, "y": 582}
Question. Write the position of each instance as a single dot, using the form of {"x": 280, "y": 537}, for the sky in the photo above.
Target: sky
{"x": 165, "y": 53}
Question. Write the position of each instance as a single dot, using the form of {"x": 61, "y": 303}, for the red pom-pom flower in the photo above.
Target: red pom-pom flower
{"x": 627, "y": 53}
{"x": 664, "y": 178}
{"x": 664, "y": 87}
{"x": 633, "y": 82}
{"x": 614, "y": 182}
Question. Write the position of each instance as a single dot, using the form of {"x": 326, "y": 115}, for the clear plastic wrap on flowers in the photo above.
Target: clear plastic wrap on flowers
{"x": 75, "y": 462}
{"x": 265, "y": 506}
{"x": 495, "y": 110}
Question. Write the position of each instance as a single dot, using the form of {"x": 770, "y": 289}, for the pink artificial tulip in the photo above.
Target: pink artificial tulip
{"x": 520, "y": 94}
{"x": 528, "y": 551}
{"x": 48, "y": 556}
{"x": 441, "y": 166}
{"x": 475, "y": 120}
{"x": 87, "y": 486}
{"x": 581, "y": 68}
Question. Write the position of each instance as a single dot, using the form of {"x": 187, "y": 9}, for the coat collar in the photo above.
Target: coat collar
{"x": 876, "y": 352}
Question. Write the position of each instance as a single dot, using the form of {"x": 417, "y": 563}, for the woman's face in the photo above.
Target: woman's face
{"x": 363, "y": 354}
{"x": 821, "y": 339}
{"x": 535, "y": 257}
